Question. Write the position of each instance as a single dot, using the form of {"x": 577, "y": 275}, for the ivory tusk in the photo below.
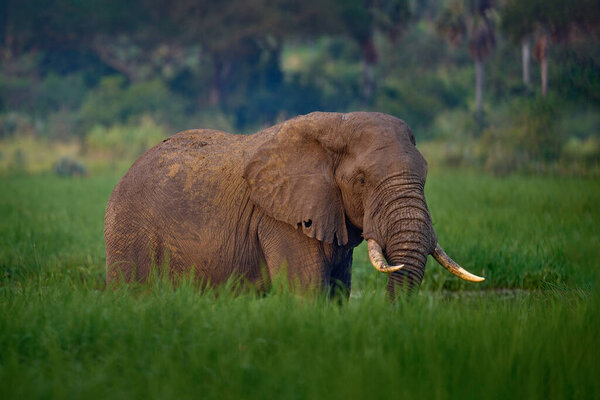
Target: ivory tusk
{"x": 378, "y": 260}
{"x": 445, "y": 261}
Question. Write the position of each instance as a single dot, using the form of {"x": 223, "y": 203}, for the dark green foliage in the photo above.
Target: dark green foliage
{"x": 114, "y": 102}
{"x": 68, "y": 167}
{"x": 540, "y": 137}
{"x": 577, "y": 76}
{"x": 531, "y": 135}
{"x": 69, "y": 66}
{"x": 560, "y": 18}
{"x": 419, "y": 101}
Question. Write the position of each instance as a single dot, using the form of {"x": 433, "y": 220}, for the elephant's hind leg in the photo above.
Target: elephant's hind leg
{"x": 132, "y": 256}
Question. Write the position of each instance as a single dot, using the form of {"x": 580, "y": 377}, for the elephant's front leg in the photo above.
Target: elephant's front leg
{"x": 341, "y": 275}
{"x": 304, "y": 259}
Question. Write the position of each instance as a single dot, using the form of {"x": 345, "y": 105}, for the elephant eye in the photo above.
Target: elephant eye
{"x": 360, "y": 179}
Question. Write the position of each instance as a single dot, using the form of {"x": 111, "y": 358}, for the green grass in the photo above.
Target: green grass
{"x": 63, "y": 336}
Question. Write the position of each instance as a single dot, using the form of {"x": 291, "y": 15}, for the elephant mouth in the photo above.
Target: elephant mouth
{"x": 380, "y": 264}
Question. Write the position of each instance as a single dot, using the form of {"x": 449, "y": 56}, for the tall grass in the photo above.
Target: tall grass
{"x": 62, "y": 340}
{"x": 63, "y": 335}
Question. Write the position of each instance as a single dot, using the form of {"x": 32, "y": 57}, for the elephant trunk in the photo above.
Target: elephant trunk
{"x": 399, "y": 221}
{"x": 399, "y": 230}
{"x": 410, "y": 240}
{"x": 401, "y": 250}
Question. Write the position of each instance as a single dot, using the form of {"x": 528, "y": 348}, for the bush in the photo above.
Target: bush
{"x": 67, "y": 166}
{"x": 18, "y": 92}
{"x": 454, "y": 125}
{"x": 41, "y": 96}
{"x": 576, "y": 75}
{"x": 125, "y": 141}
{"x": 582, "y": 150}
{"x": 207, "y": 119}
{"x": 60, "y": 92}
{"x": 527, "y": 134}
{"x": 113, "y": 102}
{"x": 13, "y": 122}
{"x": 419, "y": 101}
{"x": 30, "y": 155}
{"x": 62, "y": 125}
{"x": 539, "y": 137}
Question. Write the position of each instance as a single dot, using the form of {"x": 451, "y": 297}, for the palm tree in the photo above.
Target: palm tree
{"x": 471, "y": 20}
{"x": 526, "y": 60}
{"x": 482, "y": 41}
{"x": 541, "y": 54}
{"x": 361, "y": 18}
{"x": 549, "y": 21}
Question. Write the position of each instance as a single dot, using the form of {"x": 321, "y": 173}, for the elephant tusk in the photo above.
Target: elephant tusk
{"x": 378, "y": 260}
{"x": 445, "y": 261}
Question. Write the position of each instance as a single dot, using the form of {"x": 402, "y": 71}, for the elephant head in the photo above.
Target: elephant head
{"x": 327, "y": 173}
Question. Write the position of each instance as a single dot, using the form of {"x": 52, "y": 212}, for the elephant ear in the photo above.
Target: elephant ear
{"x": 290, "y": 177}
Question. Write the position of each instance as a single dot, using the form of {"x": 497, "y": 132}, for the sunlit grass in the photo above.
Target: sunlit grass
{"x": 63, "y": 335}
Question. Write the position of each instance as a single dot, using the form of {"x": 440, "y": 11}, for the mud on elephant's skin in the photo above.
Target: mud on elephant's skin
{"x": 301, "y": 194}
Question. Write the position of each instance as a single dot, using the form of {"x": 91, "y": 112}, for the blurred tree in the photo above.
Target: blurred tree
{"x": 525, "y": 59}
{"x": 358, "y": 24}
{"x": 360, "y": 19}
{"x": 550, "y": 21}
{"x": 52, "y": 27}
{"x": 242, "y": 39}
{"x": 470, "y": 20}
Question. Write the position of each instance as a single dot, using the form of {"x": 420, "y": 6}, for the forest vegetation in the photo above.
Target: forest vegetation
{"x": 499, "y": 85}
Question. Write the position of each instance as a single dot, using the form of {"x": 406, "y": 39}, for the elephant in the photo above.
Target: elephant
{"x": 295, "y": 198}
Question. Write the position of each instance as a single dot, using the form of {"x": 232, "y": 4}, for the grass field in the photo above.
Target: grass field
{"x": 531, "y": 330}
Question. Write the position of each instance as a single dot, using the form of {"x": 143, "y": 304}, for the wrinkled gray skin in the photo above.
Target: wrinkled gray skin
{"x": 302, "y": 194}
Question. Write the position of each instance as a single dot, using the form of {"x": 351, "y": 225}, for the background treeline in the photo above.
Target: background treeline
{"x": 506, "y": 85}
